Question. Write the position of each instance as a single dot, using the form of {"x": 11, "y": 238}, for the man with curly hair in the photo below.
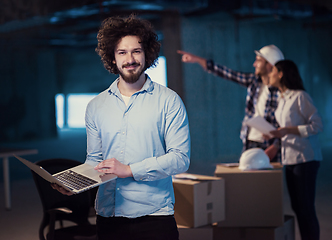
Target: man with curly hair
{"x": 138, "y": 130}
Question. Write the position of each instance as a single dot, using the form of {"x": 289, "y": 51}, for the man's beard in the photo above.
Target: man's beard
{"x": 132, "y": 76}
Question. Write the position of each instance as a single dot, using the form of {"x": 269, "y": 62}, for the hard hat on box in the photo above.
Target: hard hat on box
{"x": 254, "y": 159}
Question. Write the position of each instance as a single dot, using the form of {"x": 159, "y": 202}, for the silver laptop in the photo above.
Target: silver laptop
{"x": 76, "y": 180}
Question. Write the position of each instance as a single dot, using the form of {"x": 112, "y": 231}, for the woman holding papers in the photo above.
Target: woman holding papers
{"x": 301, "y": 154}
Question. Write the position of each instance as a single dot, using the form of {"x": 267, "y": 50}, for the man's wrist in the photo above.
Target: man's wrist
{"x": 209, "y": 65}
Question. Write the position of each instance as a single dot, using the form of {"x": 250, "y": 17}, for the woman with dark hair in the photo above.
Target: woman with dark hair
{"x": 299, "y": 123}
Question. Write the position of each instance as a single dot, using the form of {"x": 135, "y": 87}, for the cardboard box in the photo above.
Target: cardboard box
{"x": 199, "y": 199}
{"x": 286, "y": 231}
{"x": 252, "y": 198}
{"x": 200, "y": 233}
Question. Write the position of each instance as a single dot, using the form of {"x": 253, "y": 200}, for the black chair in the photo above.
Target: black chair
{"x": 58, "y": 208}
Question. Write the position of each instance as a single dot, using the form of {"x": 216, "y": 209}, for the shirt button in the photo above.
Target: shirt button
{"x": 123, "y": 133}
{"x": 118, "y": 189}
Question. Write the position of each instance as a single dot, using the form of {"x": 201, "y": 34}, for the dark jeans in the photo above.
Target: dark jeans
{"x": 301, "y": 184}
{"x": 141, "y": 228}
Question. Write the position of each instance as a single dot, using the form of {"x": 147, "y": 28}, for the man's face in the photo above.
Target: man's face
{"x": 130, "y": 58}
{"x": 262, "y": 67}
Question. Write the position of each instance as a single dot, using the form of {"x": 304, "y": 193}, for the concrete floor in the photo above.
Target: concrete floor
{"x": 22, "y": 221}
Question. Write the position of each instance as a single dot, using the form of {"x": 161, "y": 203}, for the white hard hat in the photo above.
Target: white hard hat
{"x": 270, "y": 53}
{"x": 254, "y": 159}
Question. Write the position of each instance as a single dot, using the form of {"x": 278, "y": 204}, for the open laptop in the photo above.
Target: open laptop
{"x": 76, "y": 180}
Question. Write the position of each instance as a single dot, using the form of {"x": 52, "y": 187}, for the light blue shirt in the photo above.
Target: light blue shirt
{"x": 151, "y": 135}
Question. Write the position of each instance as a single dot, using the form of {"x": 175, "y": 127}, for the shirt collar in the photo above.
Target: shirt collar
{"x": 272, "y": 89}
{"x": 147, "y": 87}
{"x": 287, "y": 93}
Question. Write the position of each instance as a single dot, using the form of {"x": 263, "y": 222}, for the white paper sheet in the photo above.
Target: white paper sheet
{"x": 261, "y": 125}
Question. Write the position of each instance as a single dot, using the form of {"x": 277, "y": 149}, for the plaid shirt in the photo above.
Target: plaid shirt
{"x": 253, "y": 84}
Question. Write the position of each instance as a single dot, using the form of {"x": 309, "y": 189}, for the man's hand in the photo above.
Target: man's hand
{"x": 113, "y": 166}
{"x": 267, "y": 137}
{"x": 271, "y": 151}
{"x": 191, "y": 58}
{"x": 61, "y": 189}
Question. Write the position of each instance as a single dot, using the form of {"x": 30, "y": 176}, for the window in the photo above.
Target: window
{"x": 70, "y": 108}
{"x": 60, "y": 110}
{"x": 158, "y": 74}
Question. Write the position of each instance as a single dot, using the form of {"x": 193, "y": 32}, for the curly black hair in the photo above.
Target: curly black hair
{"x": 113, "y": 29}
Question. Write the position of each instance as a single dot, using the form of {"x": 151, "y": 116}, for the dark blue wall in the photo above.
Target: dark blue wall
{"x": 216, "y": 106}
{"x": 32, "y": 74}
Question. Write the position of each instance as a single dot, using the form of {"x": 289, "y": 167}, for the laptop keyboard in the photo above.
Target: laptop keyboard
{"x": 74, "y": 180}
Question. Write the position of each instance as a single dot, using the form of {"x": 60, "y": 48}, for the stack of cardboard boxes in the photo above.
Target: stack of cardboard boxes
{"x": 233, "y": 205}
{"x": 199, "y": 203}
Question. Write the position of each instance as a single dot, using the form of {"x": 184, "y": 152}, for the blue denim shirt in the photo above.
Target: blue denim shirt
{"x": 151, "y": 135}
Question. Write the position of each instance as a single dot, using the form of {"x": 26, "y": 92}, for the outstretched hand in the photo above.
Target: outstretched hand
{"x": 188, "y": 57}
{"x": 191, "y": 58}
